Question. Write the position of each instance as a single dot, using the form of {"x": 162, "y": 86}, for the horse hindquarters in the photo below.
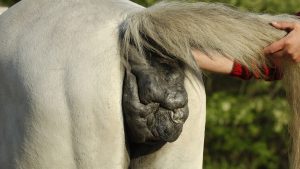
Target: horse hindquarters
{"x": 61, "y": 88}
{"x": 187, "y": 151}
{"x": 2, "y": 9}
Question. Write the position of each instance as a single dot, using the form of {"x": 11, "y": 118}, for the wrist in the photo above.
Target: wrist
{"x": 240, "y": 71}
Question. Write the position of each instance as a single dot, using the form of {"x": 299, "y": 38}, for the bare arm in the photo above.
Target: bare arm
{"x": 220, "y": 64}
{"x": 215, "y": 64}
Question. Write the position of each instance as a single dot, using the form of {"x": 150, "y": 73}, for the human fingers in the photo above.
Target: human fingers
{"x": 277, "y": 54}
{"x": 284, "y": 25}
{"x": 275, "y": 47}
{"x": 296, "y": 58}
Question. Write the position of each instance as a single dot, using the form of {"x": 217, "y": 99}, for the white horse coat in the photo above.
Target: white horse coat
{"x": 61, "y": 88}
{"x": 2, "y": 9}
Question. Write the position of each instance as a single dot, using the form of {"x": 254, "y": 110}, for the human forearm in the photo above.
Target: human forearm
{"x": 217, "y": 64}
{"x": 221, "y": 64}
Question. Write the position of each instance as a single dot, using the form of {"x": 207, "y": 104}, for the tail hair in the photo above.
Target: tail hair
{"x": 174, "y": 28}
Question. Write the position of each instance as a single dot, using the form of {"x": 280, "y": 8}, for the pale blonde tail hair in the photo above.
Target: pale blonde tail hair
{"x": 172, "y": 29}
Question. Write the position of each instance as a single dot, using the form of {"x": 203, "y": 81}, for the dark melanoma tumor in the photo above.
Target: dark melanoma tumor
{"x": 154, "y": 102}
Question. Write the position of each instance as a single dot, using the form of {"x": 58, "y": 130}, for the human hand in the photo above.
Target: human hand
{"x": 287, "y": 46}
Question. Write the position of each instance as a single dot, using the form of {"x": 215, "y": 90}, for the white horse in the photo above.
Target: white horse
{"x": 61, "y": 76}
{"x": 61, "y": 89}
{"x": 2, "y": 9}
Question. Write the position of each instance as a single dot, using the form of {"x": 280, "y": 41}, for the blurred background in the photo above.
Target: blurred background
{"x": 247, "y": 121}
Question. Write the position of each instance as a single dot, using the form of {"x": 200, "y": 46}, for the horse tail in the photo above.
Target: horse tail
{"x": 291, "y": 84}
{"x": 172, "y": 29}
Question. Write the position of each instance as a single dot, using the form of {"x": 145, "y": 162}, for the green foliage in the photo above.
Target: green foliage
{"x": 145, "y": 2}
{"x": 269, "y": 6}
{"x": 8, "y": 2}
{"x": 247, "y": 131}
{"x": 246, "y": 124}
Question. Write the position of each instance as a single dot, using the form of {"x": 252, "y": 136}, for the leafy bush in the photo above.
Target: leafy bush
{"x": 247, "y": 131}
{"x": 8, "y": 2}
